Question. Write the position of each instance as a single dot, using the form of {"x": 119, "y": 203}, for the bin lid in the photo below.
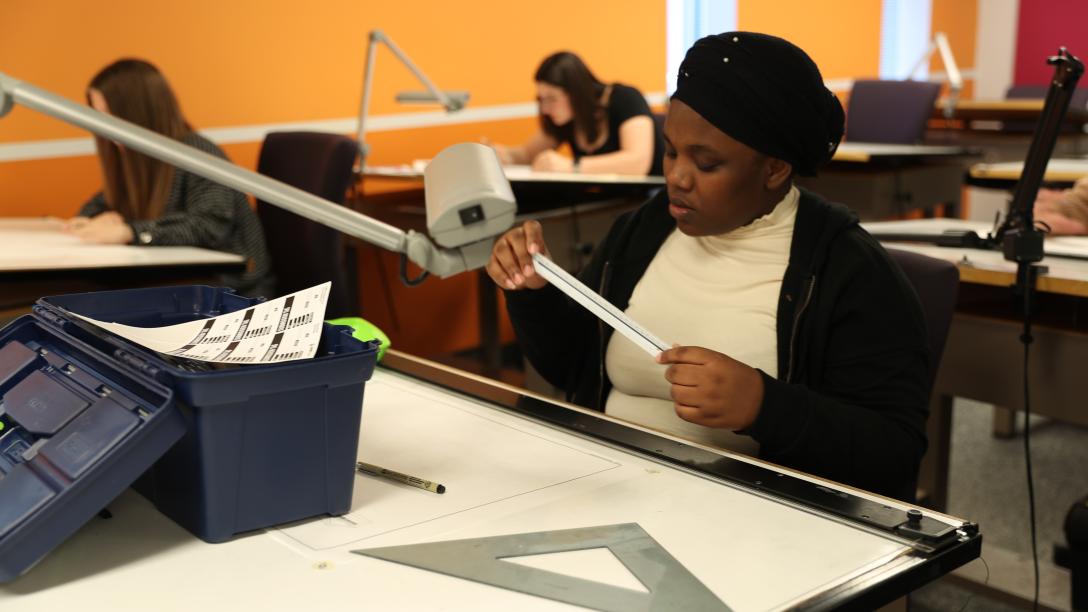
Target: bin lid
{"x": 77, "y": 427}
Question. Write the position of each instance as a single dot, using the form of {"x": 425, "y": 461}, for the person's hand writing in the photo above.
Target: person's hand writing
{"x": 712, "y": 389}
{"x": 551, "y": 161}
{"x": 511, "y": 263}
{"x": 75, "y": 223}
{"x": 106, "y": 228}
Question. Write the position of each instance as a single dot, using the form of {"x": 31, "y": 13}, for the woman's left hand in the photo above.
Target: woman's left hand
{"x": 551, "y": 161}
{"x": 106, "y": 228}
{"x": 712, "y": 389}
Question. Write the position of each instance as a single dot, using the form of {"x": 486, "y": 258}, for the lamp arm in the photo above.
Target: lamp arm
{"x": 375, "y": 37}
{"x": 930, "y": 48}
{"x": 418, "y": 247}
{"x": 440, "y": 95}
{"x": 952, "y": 69}
{"x": 364, "y": 105}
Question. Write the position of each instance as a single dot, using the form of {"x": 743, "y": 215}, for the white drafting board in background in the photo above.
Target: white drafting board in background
{"x": 507, "y": 475}
{"x": 40, "y": 243}
{"x": 284, "y": 329}
{"x": 1058, "y": 246}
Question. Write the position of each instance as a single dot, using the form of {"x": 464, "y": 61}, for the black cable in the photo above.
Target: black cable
{"x": 985, "y": 582}
{"x": 1031, "y": 482}
{"x": 411, "y": 282}
{"x": 1026, "y": 339}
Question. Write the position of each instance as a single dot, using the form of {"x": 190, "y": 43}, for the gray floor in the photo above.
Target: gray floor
{"x": 988, "y": 485}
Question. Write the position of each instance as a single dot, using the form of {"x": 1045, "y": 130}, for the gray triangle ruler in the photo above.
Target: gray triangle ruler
{"x": 671, "y": 586}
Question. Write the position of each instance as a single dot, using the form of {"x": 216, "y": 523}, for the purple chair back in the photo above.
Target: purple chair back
{"x": 305, "y": 253}
{"x": 937, "y": 284}
{"x": 893, "y": 112}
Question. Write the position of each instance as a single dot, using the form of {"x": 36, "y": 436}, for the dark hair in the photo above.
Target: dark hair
{"x": 568, "y": 72}
{"x": 136, "y": 185}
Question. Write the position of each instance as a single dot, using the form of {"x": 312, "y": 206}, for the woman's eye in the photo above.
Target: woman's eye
{"x": 707, "y": 167}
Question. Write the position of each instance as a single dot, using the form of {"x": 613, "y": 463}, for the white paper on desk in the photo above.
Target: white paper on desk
{"x": 284, "y": 329}
{"x": 484, "y": 462}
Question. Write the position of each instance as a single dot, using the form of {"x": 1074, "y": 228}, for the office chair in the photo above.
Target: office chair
{"x": 893, "y": 112}
{"x": 937, "y": 283}
{"x": 305, "y": 253}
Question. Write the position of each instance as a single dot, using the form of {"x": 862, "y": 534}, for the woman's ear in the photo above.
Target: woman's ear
{"x": 778, "y": 173}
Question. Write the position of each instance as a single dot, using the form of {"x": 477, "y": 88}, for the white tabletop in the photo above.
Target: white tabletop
{"x": 867, "y": 151}
{"x": 1056, "y": 246}
{"x": 1056, "y": 170}
{"x": 39, "y": 244}
{"x": 522, "y": 174}
{"x": 504, "y": 475}
{"x": 1066, "y": 260}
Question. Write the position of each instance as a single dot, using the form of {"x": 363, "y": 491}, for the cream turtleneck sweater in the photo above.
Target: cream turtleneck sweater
{"x": 719, "y": 292}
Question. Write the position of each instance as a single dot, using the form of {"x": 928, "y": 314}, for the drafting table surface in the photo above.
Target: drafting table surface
{"x": 1064, "y": 274}
{"x": 38, "y": 244}
{"x": 504, "y": 475}
{"x": 1058, "y": 170}
{"x": 1017, "y": 109}
{"x": 868, "y": 151}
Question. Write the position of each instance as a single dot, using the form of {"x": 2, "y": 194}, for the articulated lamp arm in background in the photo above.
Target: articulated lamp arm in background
{"x": 951, "y": 69}
{"x": 469, "y": 193}
{"x": 450, "y": 100}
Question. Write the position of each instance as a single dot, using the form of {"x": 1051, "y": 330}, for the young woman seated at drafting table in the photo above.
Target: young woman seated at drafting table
{"x": 148, "y": 202}
{"x": 800, "y": 340}
{"x": 609, "y": 128}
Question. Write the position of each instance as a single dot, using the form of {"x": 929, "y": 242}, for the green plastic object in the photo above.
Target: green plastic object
{"x": 364, "y": 330}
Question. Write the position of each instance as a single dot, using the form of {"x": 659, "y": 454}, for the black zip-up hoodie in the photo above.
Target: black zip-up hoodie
{"x": 850, "y": 400}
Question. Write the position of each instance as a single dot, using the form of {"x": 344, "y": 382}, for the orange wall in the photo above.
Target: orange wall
{"x": 237, "y": 63}
{"x": 843, "y": 40}
{"x": 959, "y": 20}
{"x": 243, "y": 62}
{"x": 246, "y": 62}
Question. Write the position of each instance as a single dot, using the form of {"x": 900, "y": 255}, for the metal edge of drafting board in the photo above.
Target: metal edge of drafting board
{"x": 671, "y": 586}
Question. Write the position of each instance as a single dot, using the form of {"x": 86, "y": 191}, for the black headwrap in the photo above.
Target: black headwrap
{"x": 766, "y": 93}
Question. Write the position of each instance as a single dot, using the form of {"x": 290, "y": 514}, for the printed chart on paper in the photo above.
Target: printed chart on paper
{"x": 283, "y": 329}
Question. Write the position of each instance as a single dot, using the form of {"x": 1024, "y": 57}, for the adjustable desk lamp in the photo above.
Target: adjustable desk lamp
{"x": 955, "y": 79}
{"x": 468, "y": 198}
{"x": 450, "y": 100}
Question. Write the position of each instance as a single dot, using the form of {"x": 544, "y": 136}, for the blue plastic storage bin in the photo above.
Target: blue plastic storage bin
{"x": 259, "y": 445}
{"x": 78, "y": 428}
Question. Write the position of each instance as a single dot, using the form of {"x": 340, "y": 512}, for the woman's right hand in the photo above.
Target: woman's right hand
{"x": 76, "y": 223}
{"x": 511, "y": 263}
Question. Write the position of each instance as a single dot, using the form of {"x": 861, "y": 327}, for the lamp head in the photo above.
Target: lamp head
{"x": 467, "y": 195}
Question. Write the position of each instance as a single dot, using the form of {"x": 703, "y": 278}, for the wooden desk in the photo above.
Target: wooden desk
{"x": 1004, "y": 175}
{"x": 1003, "y": 129}
{"x": 885, "y": 180}
{"x": 866, "y": 152}
{"x": 756, "y": 536}
{"x": 983, "y": 356}
{"x": 1026, "y": 109}
{"x": 37, "y": 259}
{"x": 983, "y": 361}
